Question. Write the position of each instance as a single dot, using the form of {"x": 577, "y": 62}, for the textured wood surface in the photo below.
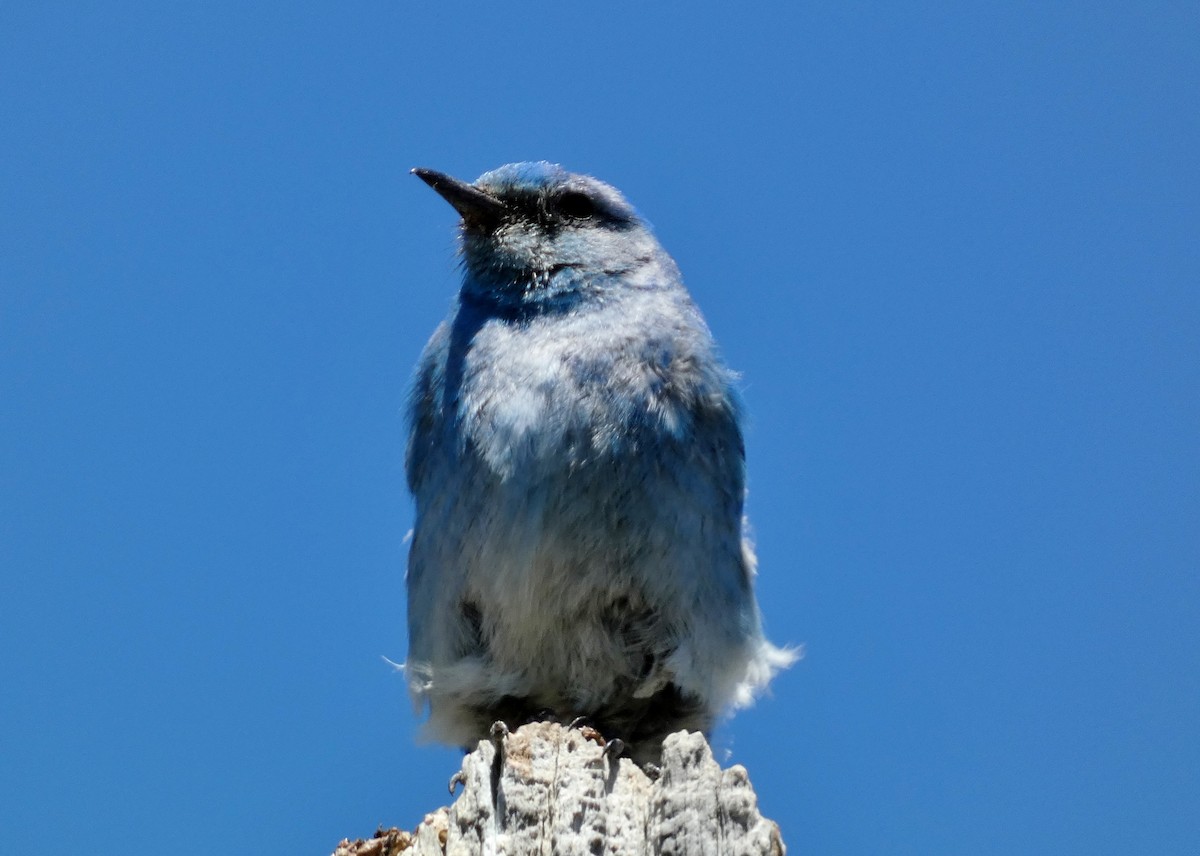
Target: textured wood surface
{"x": 550, "y": 789}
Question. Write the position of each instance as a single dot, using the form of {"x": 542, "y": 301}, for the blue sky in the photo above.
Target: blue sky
{"x": 953, "y": 249}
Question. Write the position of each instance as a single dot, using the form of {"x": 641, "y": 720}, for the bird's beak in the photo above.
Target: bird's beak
{"x": 475, "y": 206}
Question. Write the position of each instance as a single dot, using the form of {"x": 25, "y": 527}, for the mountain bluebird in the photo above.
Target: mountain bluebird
{"x": 578, "y": 468}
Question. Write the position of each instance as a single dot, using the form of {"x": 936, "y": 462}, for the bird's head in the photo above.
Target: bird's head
{"x": 535, "y": 233}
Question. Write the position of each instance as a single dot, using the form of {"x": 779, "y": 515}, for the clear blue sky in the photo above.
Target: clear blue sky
{"x": 953, "y": 248}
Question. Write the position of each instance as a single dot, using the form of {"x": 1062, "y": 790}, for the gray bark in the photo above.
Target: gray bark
{"x": 549, "y": 789}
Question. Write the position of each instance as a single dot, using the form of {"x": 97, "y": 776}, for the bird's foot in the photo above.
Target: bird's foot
{"x": 614, "y": 749}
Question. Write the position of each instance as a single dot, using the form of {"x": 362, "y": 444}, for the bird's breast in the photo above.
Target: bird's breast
{"x": 562, "y": 401}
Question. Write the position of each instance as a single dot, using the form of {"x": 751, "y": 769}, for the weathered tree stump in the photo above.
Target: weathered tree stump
{"x": 550, "y": 789}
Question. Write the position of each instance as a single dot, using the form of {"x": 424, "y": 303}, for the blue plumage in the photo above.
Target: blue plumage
{"x": 577, "y": 463}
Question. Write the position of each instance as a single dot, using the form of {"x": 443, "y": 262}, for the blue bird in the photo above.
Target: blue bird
{"x": 577, "y": 462}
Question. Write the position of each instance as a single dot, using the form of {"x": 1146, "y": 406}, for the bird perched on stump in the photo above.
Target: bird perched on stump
{"x": 578, "y": 467}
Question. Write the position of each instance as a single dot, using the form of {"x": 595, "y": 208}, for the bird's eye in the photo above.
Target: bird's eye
{"x": 576, "y": 205}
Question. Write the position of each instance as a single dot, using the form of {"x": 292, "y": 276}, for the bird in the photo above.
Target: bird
{"x": 576, "y": 457}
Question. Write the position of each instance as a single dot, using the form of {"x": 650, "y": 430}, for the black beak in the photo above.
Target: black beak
{"x": 475, "y": 206}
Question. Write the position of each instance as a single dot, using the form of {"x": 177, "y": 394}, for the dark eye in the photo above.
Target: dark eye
{"x": 576, "y": 205}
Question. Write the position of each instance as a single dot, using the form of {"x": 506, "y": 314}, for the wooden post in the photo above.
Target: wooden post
{"x": 549, "y": 789}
